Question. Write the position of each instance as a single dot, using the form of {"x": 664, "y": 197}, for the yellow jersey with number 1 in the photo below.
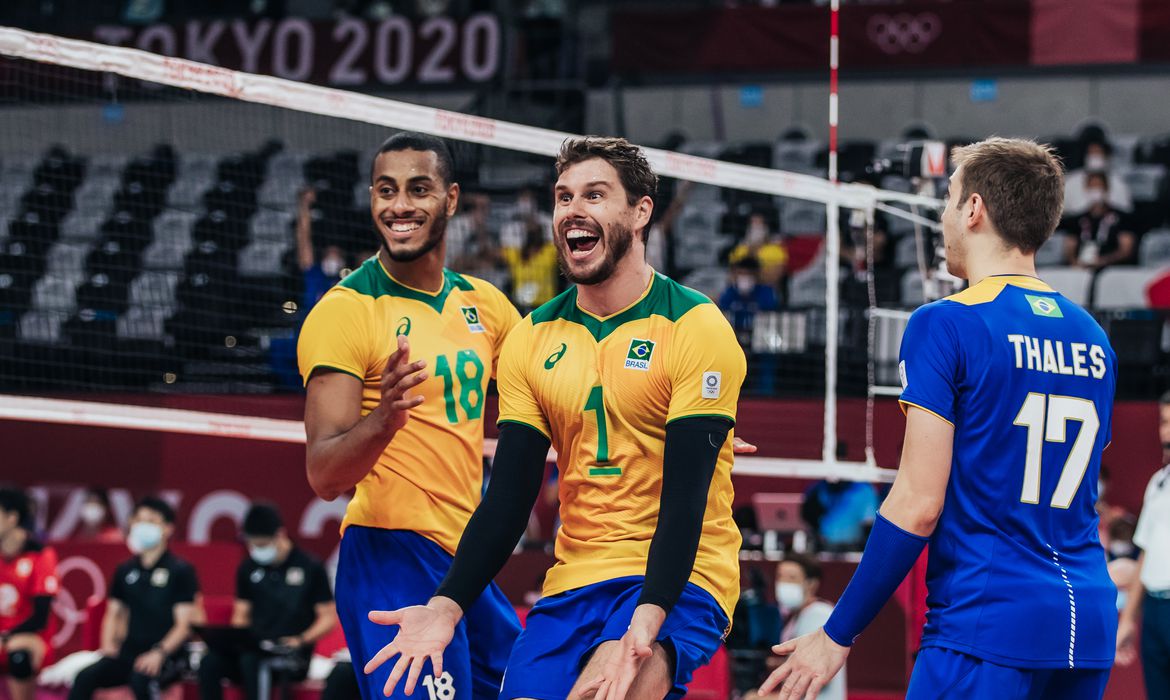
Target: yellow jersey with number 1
{"x": 603, "y": 390}
{"x": 429, "y": 478}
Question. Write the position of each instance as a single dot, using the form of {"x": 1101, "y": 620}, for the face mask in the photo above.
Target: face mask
{"x": 1095, "y": 196}
{"x": 790, "y": 596}
{"x": 524, "y": 207}
{"x": 331, "y": 266}
{"x": 1120, "y": 549}
{"x": 93, "y": 514}
{"x": 263, "y": 555}
{"x": 1096, "y": 162}
{"x": 756, "y": 233}
{"x": 745, "y": 284}
{"x": 144, "y": 536}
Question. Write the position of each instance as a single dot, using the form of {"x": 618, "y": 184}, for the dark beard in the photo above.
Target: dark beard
{"x": 617, "y": 244}
{"x": 438, "y": 230}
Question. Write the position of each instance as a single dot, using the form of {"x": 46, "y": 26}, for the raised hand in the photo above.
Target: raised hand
{"x": 813, "y": 660}
{"x": 424, "y": 631}
{"x": 399, "y": 376}
{"x": 622, "y": 662}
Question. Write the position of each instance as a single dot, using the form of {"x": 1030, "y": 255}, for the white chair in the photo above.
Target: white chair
{"x": 1051, "y": 254}
{"x": 42, "y": 326}
{"x": 1155, "y": 248}
{"x": 1123, "y": 287}
{"x": 1072, "y": 282}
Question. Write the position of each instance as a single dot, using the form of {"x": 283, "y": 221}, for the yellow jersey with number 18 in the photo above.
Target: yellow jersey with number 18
{"x": 428, "y": 479}
{"x": 603, "y": 390}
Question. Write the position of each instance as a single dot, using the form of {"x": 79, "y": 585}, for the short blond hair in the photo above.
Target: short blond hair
{"x": 1022, "y": 184}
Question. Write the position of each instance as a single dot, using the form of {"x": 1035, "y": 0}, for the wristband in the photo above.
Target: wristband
{"x": 889, "y": 555}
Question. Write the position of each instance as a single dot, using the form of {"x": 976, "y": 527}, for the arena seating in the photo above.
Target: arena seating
{"x": 184, "y": 262}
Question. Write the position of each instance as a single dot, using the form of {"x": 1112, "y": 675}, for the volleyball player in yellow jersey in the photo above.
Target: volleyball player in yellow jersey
{"x": 634, "y": 379}
{"x": 402, "y": 323}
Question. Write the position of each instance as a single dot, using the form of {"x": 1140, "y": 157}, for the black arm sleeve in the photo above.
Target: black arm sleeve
{"x": 688, "y": 465}
{"x": 39, "y": 618}
{"x": 500, "y": 519}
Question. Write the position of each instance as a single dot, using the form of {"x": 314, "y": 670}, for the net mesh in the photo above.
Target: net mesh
{"x": 156, "y": 236}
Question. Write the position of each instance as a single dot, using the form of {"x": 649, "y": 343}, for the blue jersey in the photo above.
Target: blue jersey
{"x": 1016, "y": 573}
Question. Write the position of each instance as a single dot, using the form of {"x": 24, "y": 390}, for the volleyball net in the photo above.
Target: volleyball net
{"x": 158, "y": 217}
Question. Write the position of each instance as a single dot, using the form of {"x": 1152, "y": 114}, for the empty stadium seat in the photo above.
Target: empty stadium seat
{"x": 143, "y": 323}
{"x": 42, "y": 326}
{"x": 1051, "y": 254}
{"x": 912, "y": 290}
{"x": 154, "y": 289}
{"x": 1145, "y": 181}
{"x": 263, "y": 258}
{"x": 1155, "y": 248}
{"x": 802, "y": 217}
{"x": 906, "y": 252}
{"x": 1122, "y": 287}
{"x": 54, "y": 293}
{"x": 1072, "y": 282}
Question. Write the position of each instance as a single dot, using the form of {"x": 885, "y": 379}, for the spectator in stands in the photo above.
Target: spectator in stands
{"x": 1078, "y": 197}
{"x": 797, "y": 579}
{"x": 1102, "y": 235}
{"x": 320, "y": 269}
{"x": 840, "y": 513}
{"x": 744, "y": 298}
{"x": 473, "y": 247}
{"x": 283, "y": 597}
{"x": 767, "y": 247}
{"x": 1149, "y": 595}
{"x": 527, "y": 216}
{"x": 532, "y": 267}
{"x": 28, "y": 582}
{"x": 97, "y": 522}
{"x": 148, "y": 614}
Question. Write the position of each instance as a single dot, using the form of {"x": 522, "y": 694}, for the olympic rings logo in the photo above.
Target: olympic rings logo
{"x": 65, "y": 604}
{"x": 904, "y": 32}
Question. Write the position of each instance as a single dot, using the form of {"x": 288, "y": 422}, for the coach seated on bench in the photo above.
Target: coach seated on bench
{"x": 148, "y": 616}
{"x": 283, "y": 597}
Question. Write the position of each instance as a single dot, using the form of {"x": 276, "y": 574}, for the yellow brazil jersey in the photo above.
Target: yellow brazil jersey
{"x": 428, "y": 479}
{"x": 603, "y": 390}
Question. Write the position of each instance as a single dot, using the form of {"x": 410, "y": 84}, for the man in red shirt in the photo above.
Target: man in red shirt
{"x": 28, "y": 582}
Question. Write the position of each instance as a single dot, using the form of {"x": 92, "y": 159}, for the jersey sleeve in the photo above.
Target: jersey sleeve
{"x": 320, "y": 591}
{"x": 929, "y": 362}
{"x": 517, "y": 402}
{"x": 336, "y": 336}
{"x": 243, "y": 583}
{"x": 44, "y": 579}
{"x": 118, "y": 584}
{"x": 186, "y": 584}
{"x": 706, "y": 366}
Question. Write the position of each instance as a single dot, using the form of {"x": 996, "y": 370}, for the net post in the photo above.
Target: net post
{"x": 832, "y": 252}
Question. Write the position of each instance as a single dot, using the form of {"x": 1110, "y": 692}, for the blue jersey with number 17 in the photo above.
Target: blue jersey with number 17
{"x": 1016, "y": 573}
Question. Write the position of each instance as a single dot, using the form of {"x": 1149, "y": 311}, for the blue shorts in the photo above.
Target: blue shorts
{"x": 941, "y": 673}
{"x": 563, "y": 630}
{"x": 389, "y": 569}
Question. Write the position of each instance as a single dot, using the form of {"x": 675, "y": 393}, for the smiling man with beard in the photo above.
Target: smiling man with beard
{"x": 396, "y": 359}
{"x": 634, "y": 380}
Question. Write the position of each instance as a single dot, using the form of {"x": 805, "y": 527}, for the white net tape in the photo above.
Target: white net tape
{"x": 278, "y": 92}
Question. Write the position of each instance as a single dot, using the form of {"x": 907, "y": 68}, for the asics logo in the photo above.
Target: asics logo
{"x": 555, "y": 357}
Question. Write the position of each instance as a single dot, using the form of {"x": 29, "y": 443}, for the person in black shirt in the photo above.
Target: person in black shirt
{"x": 1101, "y": 236}
{"x": 148, "y": 615}
{"x": 283, "y": 597}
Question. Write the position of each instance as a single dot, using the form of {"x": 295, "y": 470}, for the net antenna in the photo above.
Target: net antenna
{"x": 277, "y": 92}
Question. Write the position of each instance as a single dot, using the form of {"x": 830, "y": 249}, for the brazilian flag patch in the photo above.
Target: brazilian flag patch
{"x": 639, "y": 354}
